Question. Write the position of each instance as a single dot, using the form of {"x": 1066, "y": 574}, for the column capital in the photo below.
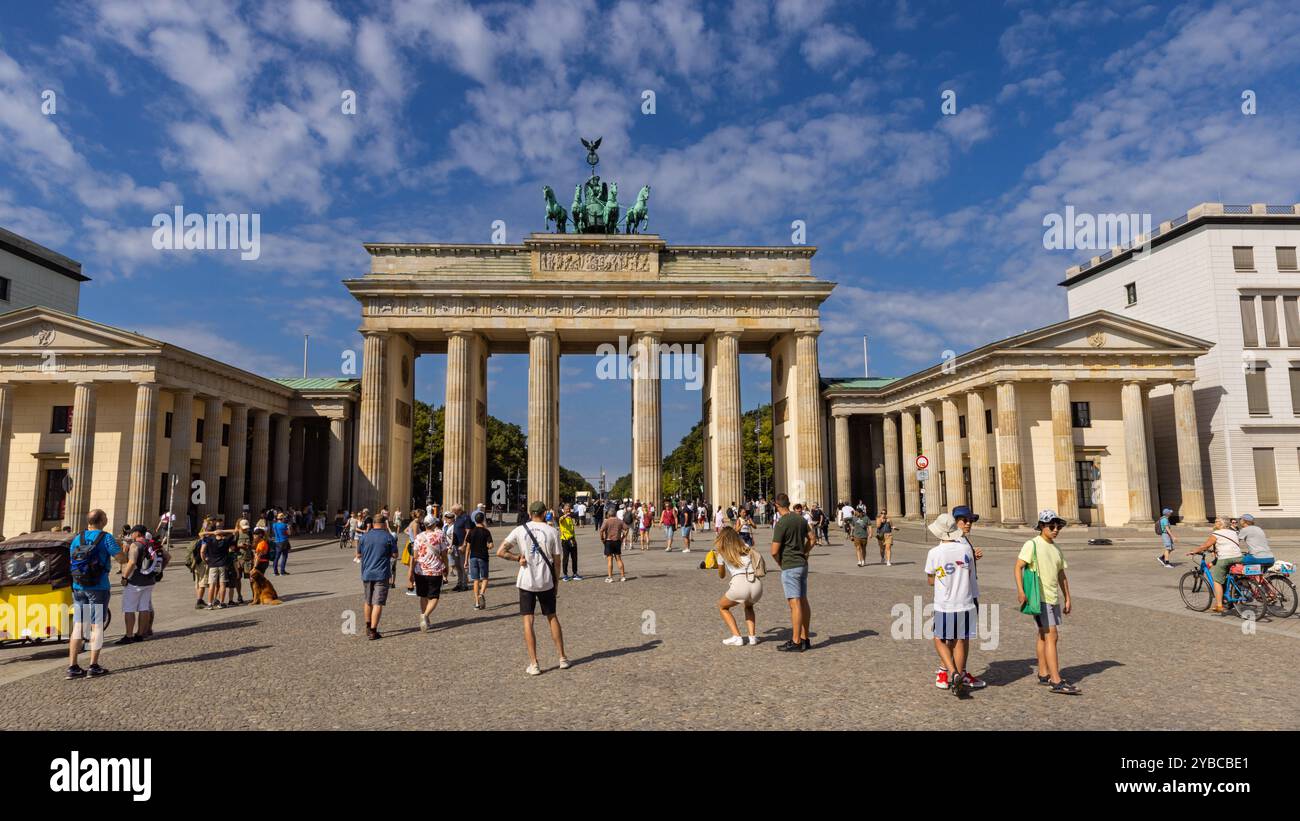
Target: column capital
{"x": 802, "y": 332}
{"x": 729, "y": 332}
{"x": 237, "y": 405}
{"x": 461, "y": 333}
{"x": 532, "y": 332}
{"x": 88, "y": 384}
{"x": 1185, "y": 381}
{"x": 378, "y": 334}
{"x": 1061, "y": 380}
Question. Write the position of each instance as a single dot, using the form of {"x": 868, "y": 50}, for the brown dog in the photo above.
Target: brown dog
{"x": 263, "y": 590}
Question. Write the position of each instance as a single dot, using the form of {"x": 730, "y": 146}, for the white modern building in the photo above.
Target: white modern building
{"x": 1226, "y": 274}
{"x": 31, "y": 274}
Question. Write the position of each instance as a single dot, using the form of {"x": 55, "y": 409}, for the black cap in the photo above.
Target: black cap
{"x": 141, "y": 529}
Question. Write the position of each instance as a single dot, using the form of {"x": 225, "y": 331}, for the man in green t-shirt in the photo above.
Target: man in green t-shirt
{"x": 792, "y": 540}
{"x": 1041, "y": 555}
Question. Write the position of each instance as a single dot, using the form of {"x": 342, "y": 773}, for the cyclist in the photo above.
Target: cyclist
{"x": 1254, "y": 542}
{"x": 1223, "y": 541}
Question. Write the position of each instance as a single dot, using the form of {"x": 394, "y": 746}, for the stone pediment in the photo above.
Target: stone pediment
{"x": 41, "y": 329}
{"x": 1104, "y": 332}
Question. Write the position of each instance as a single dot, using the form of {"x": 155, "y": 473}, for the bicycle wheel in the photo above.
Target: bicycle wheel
{"x": 1281, "y": 601}
{"x": 1195, "y": 592}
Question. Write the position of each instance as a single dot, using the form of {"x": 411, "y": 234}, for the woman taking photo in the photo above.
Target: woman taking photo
{"x": 735, "y": 558}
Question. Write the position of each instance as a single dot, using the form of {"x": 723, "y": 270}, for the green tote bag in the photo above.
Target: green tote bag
{"x": 1033, "y": 588}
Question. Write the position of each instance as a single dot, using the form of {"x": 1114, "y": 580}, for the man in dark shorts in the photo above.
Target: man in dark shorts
{"x": 479, "y": 543}
{"x": 535, "y": 547}
{"x": 612, "y": 531}
{"x": 374, "y": 551}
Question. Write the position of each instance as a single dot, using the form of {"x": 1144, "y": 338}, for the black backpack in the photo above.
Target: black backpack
{"x": 86, "y": 566}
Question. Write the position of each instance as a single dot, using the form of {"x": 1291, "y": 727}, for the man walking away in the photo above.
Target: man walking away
{"x": 460, "y": 528}
{"x": 144, "y": 561}
{"x": 478, "y": 544}
{"x": 376, "y": 549}
{"x": 538, "y": 546}
{"x": 90, "y": 552}
{"x": 792, "y": 541}
{"x": 612, "y": 532}
{"x": 1165, "y": 528}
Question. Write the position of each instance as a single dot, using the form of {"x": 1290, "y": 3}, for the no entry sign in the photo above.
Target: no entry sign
{"x": 922, "y": 461}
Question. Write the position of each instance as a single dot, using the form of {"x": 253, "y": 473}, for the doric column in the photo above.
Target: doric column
{"x": 876, "y": 436}
{"x": 6, "y": 428}
{"x": 952, "y": 461}
{"x": 236, "y": 463}
{"x": 812, "y": 462}
{"x": 843, "y": 483}
{"x": 1067, "y": 498}
{"x": 81, "y": 455}
{"x": 334, "y": 482}
{"x": 178, "y": 465}
{"x": 210, "y": 459}
{"x": 372, "y": 439}
{"x": 911, "y": 487}
{"x": 140, "y": 506}
{"x": 1135, "y": 454}
{"x": 280, "y": 463}
{"x": 543, "y": 371}
{"x": 1189, "y": 454}
{"x": 930, "y": 447}
{"x": 297, "y": 459}
{"x": 1009, "y": 470}
{"x": 647, "y": 449}
{"x": 893, "y": 494}
{"x": 261, "y": 451}
{"x": 977, "y": 442}
{"x": 726, "y": 417}
{"x": 458, "y": 423}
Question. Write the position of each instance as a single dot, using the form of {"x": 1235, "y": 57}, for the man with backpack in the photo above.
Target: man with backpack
{"x": 1165, "y": 530}
{"x": 91, "y": 552}
{"x": 143, "y": 565}
{"x": 538, "y": 548}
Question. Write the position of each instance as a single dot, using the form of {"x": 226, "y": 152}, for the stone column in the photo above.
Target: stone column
{"x": 952, "y": 460}
{"x": 647, "y": 446}
{"x": 372, "y": 439}
{"x": 1067, "y": 499}
{"x": 81, "y": 455}
{"x": 911, "y": 487}
{"x": 930, "y": 447}
{"x": 876, "y": 438}
{"x": 280, "y": 465}
{"x": 977, "y": 442}
{"x": 893, "y": 495}
{"x": 726, "y": 417}
{"x": 1192, "y": 509}
{"x": 1135, "y": 454}
{"x": 140, "y": 509}
{"x": 210, "y": 459}
{"x": 334, "y": 483}
{"x": 178, "y": 465}
{"x": 236, "y": 463}
{"x": 843, "y": 484}
{"x": 6, "y": 428}
{"x": 812, "y": 462}
{"x": 543, "y": 368}
{"x": 297, "y": 460}
{"x": 1009, "y": 470}
{"x": 458, "y": 423}
{"x": 261, "y": 458}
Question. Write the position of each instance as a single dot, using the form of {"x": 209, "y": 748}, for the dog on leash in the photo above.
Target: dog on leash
{"x": 263, "y": 590}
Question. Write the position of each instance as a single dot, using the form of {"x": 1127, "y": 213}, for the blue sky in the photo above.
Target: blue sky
{"x": 766, "y": 112}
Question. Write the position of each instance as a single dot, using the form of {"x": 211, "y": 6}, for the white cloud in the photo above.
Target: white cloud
{"x": 834, "y": 47}
{"x": 217, "y": 342}
{"x": 970, "y": 125}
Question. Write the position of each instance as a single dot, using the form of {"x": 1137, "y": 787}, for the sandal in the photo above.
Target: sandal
{"x": 1065, "y": 688}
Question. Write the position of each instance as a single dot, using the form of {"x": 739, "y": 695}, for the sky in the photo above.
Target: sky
{"x": 922, "y": 145}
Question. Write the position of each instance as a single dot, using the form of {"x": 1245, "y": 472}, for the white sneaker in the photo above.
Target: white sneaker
{"x": 889, "y": 564}
{"x": 686, "y": 550}
{"x": 609, "y": 580}
{"x": 753, "y": 639}
{"x": 564, "y": 664}
{"x": 533, "y": 670}
{"x": 734, "y": 641}
{"x": 622, "y": 578}
{"x": 424, "y": 623}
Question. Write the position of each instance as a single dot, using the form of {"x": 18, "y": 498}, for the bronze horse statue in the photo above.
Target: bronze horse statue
{"x": 554, "y": 211}
{"x": 638, "y": 213}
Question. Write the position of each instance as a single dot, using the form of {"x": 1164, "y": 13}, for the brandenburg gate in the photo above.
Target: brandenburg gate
{"x": 569, "y": 293}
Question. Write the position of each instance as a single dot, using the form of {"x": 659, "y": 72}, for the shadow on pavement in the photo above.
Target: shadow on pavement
{"x": 1082, "y": 671}
{"x": 213, "y": 656}
{"x": 621, "y": 651}
{"x": 860, "y": 634}
{"x": 454, "y": 623}
{"x": 1008, "y": 671}
{"x": 311, "y": 594}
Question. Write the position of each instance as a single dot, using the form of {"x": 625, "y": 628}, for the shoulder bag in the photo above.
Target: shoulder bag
{"x": 1033, "y": 588}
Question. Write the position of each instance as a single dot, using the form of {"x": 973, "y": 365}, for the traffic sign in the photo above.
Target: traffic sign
{"x": 922, "y": 461}
{"x": 922, "y": 475}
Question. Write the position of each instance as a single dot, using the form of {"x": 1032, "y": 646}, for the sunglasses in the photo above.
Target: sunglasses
{"x": 1055, "y": 527}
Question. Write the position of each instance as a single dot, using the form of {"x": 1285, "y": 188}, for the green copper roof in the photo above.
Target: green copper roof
{"x": 859, "y": 383}
{"x": 318, "y": 383}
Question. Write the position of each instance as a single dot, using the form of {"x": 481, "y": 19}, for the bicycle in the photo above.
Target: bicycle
{"x": 1251, "y": 592}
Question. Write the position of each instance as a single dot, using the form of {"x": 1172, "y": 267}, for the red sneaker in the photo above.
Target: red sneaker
{"x": 975, "y": 683}
{"x": 941, "y": 679}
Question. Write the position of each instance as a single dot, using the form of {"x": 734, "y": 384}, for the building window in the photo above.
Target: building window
{"x": 198, "y": 430}
{"x": 225, "y": 436}
{"x": 1294, "y": 373}
{"x": 961, "y": 427}
{"x": 55, "y": 496}
{"x": 943, "y": 488}
{"x": 1265, "y": 476}
{"x": 164, "y": 489}
{"x": 62, "y": 420}
{"x": 988, "y": 420}
{"x": 938, "y": 429}
{"x": 1081, "y": 414}
{"x": 965, "y": 482}
{"x": 1257, "y": 392}
{"x": 1083, "y": 480}
{"x": 993, "y": 486}
{"x": 1243, "y": 258}
{"x": 1249, "y": 328}
{"x": 1131, "y": 293}
{"x": 167, "y": 425}
{"x": 4, "y": 282}
{"x": 1292, "y": 317}
{"x": 1286, "y": 258}
{"x": 1269, "y": 305}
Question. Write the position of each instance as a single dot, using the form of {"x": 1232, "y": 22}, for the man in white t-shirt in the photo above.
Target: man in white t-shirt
{"x": 535, "y": 546}
{"x": 948, "y": 569}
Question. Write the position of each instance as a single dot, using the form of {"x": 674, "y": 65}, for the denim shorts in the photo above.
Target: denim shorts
{"x": 478, "y": 569}
{"x": 88, "y": 606}
{"x": 794, "y": 581}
